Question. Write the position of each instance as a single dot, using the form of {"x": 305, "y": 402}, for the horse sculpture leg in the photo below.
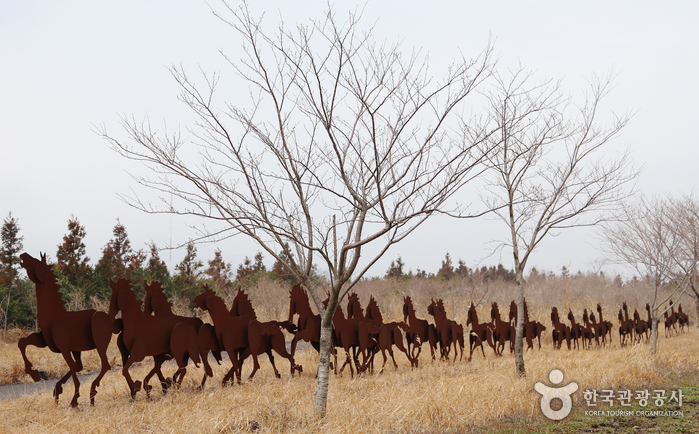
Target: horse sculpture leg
{"x": 157, "y": 365}
{"x": 138, "y": 353}
{"x": 101, "y": 335}
{"x": 34, "y": 339}
{"x": 61, "y": 338}
{"x": 206, "y": 335}
{"x": 278, "y": 344}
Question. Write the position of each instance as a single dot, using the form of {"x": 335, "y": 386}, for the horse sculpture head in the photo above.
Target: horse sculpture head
{"x": 242, "y": 305}
{"x": 298, "y": 303}
{"x": 513, "y": 311}
{"x": 372, "y": 310}
{"x": 200, "y": 300}
{"x": 354, "y": 307}
{"x": 494, "y": 311}
{"x": 47, "y": 288}
{"x": 156, "y": 300}
{"x": 38, "y": 271}
{"x": 471, "y": 316}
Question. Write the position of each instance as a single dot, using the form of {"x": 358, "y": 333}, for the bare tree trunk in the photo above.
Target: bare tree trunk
{"x": 654, "y": 332}
{"x": 321, "y": 401}
{"x": 519, "y": 335}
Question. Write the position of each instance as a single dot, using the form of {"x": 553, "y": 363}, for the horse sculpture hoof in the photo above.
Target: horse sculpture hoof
{"x": 136, "y": 388}
{"x": 36, "y": 375}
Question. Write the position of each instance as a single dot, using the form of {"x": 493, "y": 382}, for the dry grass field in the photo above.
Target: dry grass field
{"x": 484, "y": 395}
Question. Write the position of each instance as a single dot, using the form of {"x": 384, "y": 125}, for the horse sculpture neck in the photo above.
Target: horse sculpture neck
{"x": 49, "y": 303}
{"x": 373, "y": 312}
{"x": 242, "y": 305}
{"x": 473, "y": 316}
{"x": 299, "y": 304}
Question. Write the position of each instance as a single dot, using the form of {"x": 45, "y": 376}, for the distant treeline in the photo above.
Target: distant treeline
{"x": 85, "y": 285}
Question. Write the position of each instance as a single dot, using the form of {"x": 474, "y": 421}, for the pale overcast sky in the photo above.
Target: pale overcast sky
{"x": 65, "y": 66}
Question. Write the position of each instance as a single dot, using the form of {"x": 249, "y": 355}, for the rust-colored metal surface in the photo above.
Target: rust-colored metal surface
{"x": 272, "y": 336}
{"x": 390, "y": 335}
{"x": 479, "y": 332}
{"x": 68, "y": 333}
{"x": 606, "y": 326}
{"x": 146, "y": 335}
{"x": 236, "y": 334}
{"x": 450, "y": 332}
{"x": 418, "y": 332}
{"x": 308, "y": 324}
{"x": 346, "y": 335}
{"x": 156, "y": 302}
{"x": 532, "y": 329}
{"x": 575, "y": 330}
{"x": 560, "y": 332}
{"x": 503, "y": 331}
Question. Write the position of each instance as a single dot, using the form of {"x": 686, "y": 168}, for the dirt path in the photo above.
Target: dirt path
{"x": 12, "y": 391}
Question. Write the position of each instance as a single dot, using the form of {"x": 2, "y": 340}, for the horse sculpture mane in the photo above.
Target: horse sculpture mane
{"x": 242, "y": 305}
{"x": 68, "y": 333}
{"x": 41, "y": 274}
{"x": 372, "y": 310}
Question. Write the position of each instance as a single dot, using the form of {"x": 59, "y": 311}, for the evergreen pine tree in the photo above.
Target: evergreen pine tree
{"x": 156, "y": 269}
{"x": 280, "y": 271}
{"x": 10, "y": 248}
{"x": 219, "y": 272}
{"x": 72, "y": 260}
{"x": 396, "y": 269}
{"x": 186, "y": 280}
{"x": 118, "y": 261}
{"x": 14, "y": 291}
{"x": 446, "y": 272}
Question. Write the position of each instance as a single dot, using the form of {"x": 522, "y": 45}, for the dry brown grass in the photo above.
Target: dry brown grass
{"x": 437, "y": 397}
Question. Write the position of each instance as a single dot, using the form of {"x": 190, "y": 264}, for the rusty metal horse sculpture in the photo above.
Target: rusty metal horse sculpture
{"x": 502, "y": 330}
{"x": 419, "y": 331}
{"x": 308, "y": 325}
{"x": 272, "y": 336}
{"x": 68, "y": 333}
{"x": 449, "y": 331}
{"x": 146, "y": 335}
{"x": 560, "y": 331}
{"x": 239, "y": 336}
{"x": 479, "y": 332}
{"x": 389, "y": 334}
{"x": 156, "y": 302}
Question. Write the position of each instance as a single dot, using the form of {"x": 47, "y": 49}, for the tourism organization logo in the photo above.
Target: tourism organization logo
{"x": 562, "y": 396}
{"x": 562, "y": 393}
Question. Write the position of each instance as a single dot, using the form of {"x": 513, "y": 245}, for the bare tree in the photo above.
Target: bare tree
{"x": 646, "y": 239}
{"x": 684, "y": 213}
{"x": 346, "y": 147}
{"x": 549, "y": 170}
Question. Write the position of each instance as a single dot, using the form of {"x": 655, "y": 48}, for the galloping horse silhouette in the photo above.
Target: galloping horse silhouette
{"x": 272, "y": 336}
{"x": 237, "y": 335}
{"x": 560, "y": 331}
{"x": 146, "y": 335}
{"x": 68, "y": 333}
{"x": 479, "y": 332}
{"x": 308, "y": 325}
{"x": 419, "y": 331}
{"x": 449, "y": 331}
{"x": 156, "y": 302}
{"x": 502, "y": 330}
{"x": 390, "y": 334}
